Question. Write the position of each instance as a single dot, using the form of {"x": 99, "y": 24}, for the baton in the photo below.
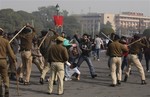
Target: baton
{"x": 43, "y": 40}
{"x": 136, "y": 41}
{"x": 17, "y": 79}
{"x": 107, "y": 37}
{"x": 16, "y": 35}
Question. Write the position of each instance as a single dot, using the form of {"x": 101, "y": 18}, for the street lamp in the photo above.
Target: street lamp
{"x": 58, "y": 19}
{"x": 57, "y": 9}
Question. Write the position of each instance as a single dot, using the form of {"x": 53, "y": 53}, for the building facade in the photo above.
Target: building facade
{"x": 125, "y": 23}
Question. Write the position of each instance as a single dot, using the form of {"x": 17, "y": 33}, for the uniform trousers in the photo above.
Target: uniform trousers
{"x": 27, "y": 64}
{"x": 4, "y": 75}
{"x": 133, "y": 58}
{"x": 115, "y": 67}
{"x": 56, "y": 68}
{"x": 39, "y": 62}
{"x": 45, "y": 70}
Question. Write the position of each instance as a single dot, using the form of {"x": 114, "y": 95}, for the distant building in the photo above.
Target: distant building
{"x": 134, "y": 22}
{"x": 125, "y": 23}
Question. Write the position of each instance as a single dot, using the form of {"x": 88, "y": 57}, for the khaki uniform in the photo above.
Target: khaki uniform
{"x": 38, "y": 59}
{"x": 133, "y": 58}
{"x": 44, "y": 48}
{"x": 57, "y": 56}
{"x": 115, "y": 50}
{"x": 5, "y": 50}
{"x": 26, "y": 55}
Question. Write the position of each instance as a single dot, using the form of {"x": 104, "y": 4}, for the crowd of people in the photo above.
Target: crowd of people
{"x": 62, "y": 56}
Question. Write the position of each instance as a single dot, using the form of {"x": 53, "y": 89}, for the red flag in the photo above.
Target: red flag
{"x": 58, "y": 20}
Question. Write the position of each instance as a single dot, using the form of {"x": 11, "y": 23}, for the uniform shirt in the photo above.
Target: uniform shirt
{"x": 115, "y": 49}
{"x": 46, "y": 44}
{"x": 57, "y": 53}
{"x": 26, "y": 41}
{"x": 136, "y": 47}
{"x": 5, "y": 49}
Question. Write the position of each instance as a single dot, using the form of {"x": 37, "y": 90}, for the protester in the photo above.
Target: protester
{"x": 123, "y": 41}
{"x": 147, "y": 55}
{"x": 38, "y": 59}
{"x": 86, "y": 47}
{"x": 98, "y": 45}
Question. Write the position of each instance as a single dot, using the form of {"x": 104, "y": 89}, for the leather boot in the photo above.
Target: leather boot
{"x": 6, "y": 91}
{"x": 1, "y": 89}
{"x": 125, "y": 78}
{"x": 143, "y": 82}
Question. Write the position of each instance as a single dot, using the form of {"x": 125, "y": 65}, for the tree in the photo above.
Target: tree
{"x": 146, "y": 32}
{"x": 106, "y": 31}
{"x": 71, "y": 26}
{"x": 42, "y": 19}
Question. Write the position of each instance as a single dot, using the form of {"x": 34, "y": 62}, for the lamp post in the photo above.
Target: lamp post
{"x": 57, "y": 14}
{"x": 57, "y": 9}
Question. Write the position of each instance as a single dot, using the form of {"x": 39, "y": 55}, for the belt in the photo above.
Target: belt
{"x": 25, "y": 50}
{"x": 2, "y": 58}
{"x": 116, "y": 56}
{"x": 132, "y": 53}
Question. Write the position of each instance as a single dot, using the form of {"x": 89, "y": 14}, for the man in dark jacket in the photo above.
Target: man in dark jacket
{"x": 86, "y": 47}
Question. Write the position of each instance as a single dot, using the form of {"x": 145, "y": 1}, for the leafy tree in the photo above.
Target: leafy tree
{"x": 106, "y": 31}
{"x": 71, "y": 26}
{"x": 146, "y": 32}
{"x": 42, "y": 19}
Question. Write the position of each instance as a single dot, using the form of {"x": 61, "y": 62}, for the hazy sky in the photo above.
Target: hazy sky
{"x": 81, "y": 6}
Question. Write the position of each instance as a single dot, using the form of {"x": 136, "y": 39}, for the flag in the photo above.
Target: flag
{"x": 58, "y": 20}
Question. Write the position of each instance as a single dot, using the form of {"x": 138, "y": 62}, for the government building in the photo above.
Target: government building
{"x": 126, "y": 23}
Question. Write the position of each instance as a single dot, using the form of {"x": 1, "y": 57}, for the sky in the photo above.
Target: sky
{"x": 81, "y": 6}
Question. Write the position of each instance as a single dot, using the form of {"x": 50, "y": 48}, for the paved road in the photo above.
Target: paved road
{"x": 87, "y": 87}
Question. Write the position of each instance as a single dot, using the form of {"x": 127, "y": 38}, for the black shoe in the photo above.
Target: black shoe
{"x": 94, "y": 75}
{"x": 6, "y": 94}
{"x": 112, "y": 85}
{"x": 143, "y": 82}
{"x": 21, "y": 80}
{"x": 125, "y": 78}
{"x": 118, "y": 82}
{"x": 41, "y": 81}
{"x": 55, "y": 83}
{"x": 26, "y": 83}
{"x": 13, "y": 76}
{"x": 49, "y": 93}
{"x": 130, "y": 73}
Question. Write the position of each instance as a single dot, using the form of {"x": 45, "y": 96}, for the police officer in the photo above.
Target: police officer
{"x": 26, "y": 37}
{"x": 115, "y": 50}
{"x": 57, "y": 55}
{"x": 49, "y": 40}
{"x": 5, "y": 50}
{"x": 133, "y": 58}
